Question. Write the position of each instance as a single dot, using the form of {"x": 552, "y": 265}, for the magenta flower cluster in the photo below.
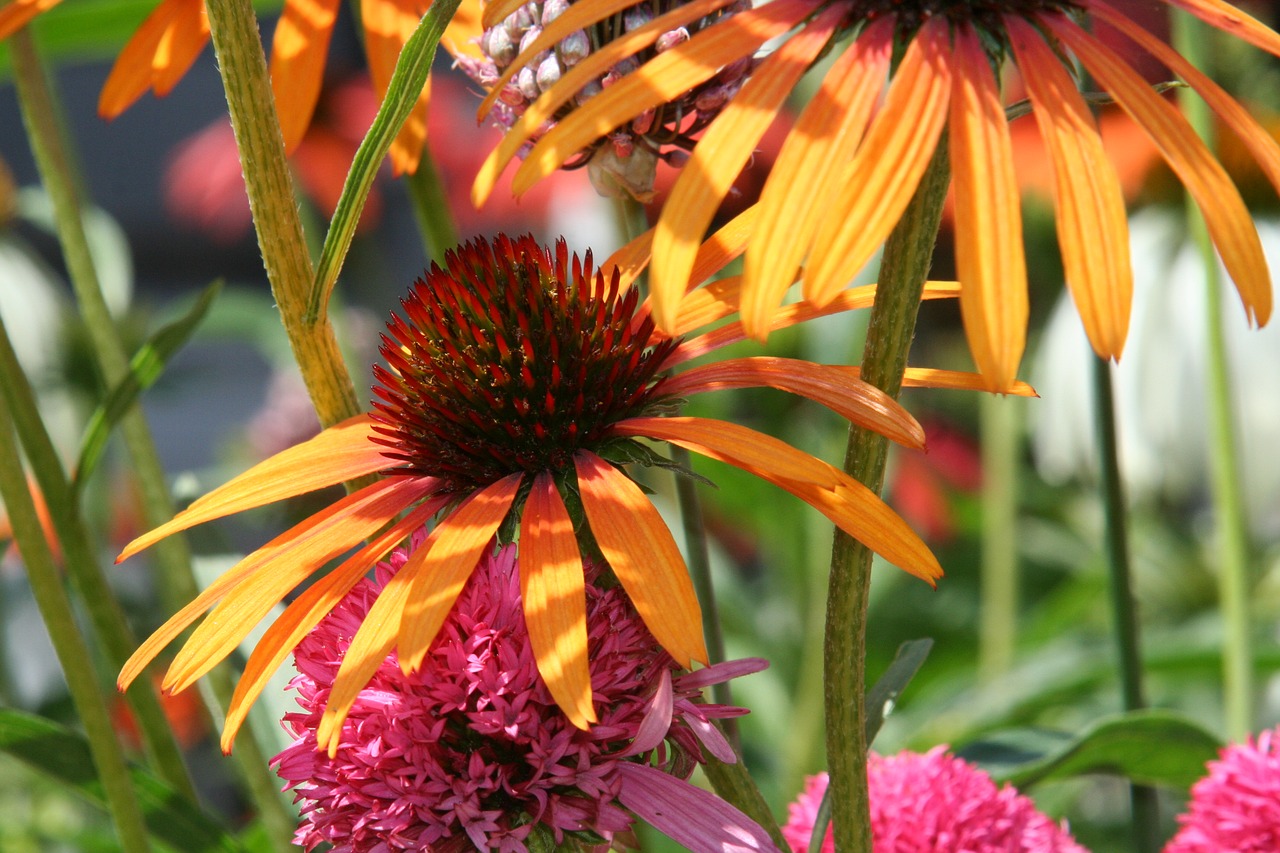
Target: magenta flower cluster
{"x": 1236, "y": 807}
{"x": 935, "y": 803}
{"x": 471, "y": 752}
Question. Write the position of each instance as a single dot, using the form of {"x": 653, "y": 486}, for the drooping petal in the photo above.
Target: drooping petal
{"x": 299, "y": 49}
{"x": 594, "y": 65}
{"x": 831, "y": 385}
{"x": 988, "y": 221}
{"x": 1225, "y": 214}
{"x": 696, "y": 819}
{"x": 17, "y": 13}
{"x": 340, "y": 453}
{"x": 956, "y": 380}
{"x": 553, "y": 589}
{"x": 790, "y": 315}
{"x": 499, "y": 9}
{"x": 157, "y": 55}
{"x": 1230, "y": 19}
{"x": 355, "y": 517}
{"x": 452, "y": 551}
{"x": 802, "y": 181}
{"x": 849, "y": 504}
{"x": 1093, "y": 229}
{"x": 718, "y": 673}
{"x": 260, "y": 560}
{"x": 656, "y": 723}
{"x": 642, "y": 553}
{"x": 387, "y": 25}
{"x": 306, "y": 611}
{"x": 668, "y": 75}
{"x": 719, "y": 157}
{"x": 878, "y": 184}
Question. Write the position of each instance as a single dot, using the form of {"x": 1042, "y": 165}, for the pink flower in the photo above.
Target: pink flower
{"x": 471, "y": 751}
{"x": 1237, "y": 806}
{"x": 935, "y": 803}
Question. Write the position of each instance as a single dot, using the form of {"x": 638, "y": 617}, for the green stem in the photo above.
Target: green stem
{"x": 1146, "y": 814}
{"x": 1193, "y": 41}
{"x": 41, "y": 112}
{"x": 907, "y": 256}
{"x": 997, "y": 627}
{"x": 431, "y": 207}
{"x": 233, "y": 28}
{"x": 73, "y": 653}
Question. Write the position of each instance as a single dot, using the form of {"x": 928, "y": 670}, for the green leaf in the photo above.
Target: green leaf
{"x": 144, "y": 369}
{"x": 64, "y": 754}
{"x": 406, "y": 84}
{"x": 1148, "y": 747}
{"x": 885, "y": 692}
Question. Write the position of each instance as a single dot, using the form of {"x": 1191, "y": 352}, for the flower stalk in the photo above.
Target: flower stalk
{"x": 907, "y": 256}
{"x": 998, "y": 622}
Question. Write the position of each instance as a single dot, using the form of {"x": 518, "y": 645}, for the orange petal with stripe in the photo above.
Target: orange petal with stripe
{"x": 299, "y": 49}
{"x": 162, "y": 49}
{"x": 877, "y": 186}
{"x": 387, "y": 25}
{"x": 555, "y": 600}
{"x": 804, "y": 177}
{"x": 340, "y": 453}
{"x": 853, "y": 507}
{"x": 1230, "y": 19}
{"x": 988, "y": 221}
{"x": 306, "y": 611}
{"x": 1225, "y": 214}
{"x": 1093, "y": 229}
{"x": 642, "y": 553}
{"x": 355, "y": 517}
{"x": 17, "y": 13}
{"x": 259, "y": 560}
{"x": 664, "y": 77}
{"x": 453, "y": 550}
{"x": 956, "y": 380}
{"x": 831, "y": 385}
{"x": 719, "y": 157}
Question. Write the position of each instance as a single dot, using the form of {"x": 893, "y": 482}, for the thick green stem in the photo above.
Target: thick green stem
{"x": 998, "y": 623}
{"x": 1146, "y": 814}
{"x": 234, "y": 30}
{"x": 1193, "y": 40}
{"x": 431, "y": 208}
{"x": 907, "y": 256}
{"x": 73, "y": 653}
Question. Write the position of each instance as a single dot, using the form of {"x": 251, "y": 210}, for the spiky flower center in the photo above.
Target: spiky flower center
{"x": 984, "y": 14}
{"x": 510, "y": 359}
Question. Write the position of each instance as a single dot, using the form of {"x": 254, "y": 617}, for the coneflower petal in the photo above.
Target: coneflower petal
{"x": 230, "y": 579}
{"x": 553, "y": 589}
{"x": 1093, "y": 230}
{"x": 879, "y": 183}
{"x": 989, "y": 251}
{"x": 850, "y": 505}
{"x": 17, "y": 13}
{"x": 299, "y": 50}
{"x": 666, "y": 76}
{"x": 452, "y": 551}
{"x": 642, "y": 553}
{"x": 831, "y": 385}
{"x": 1233, "y": 20}
{"x": 802, "y": 181}
{"x": 306, "y": 611}
{"x": 179, "y": 47}
{"x": 718, "y": 158}
{"x": 387, "y": 26}
{"x": 1225, "y": 214}
{"x": 175, "y": 29}
{"x": 340, "y": 453}
{"x": 352, "y": 519}
{"x": 955, "y": 380}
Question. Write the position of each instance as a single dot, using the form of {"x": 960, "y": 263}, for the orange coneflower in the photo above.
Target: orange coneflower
{"x": 846, "y": 173}
{"x": 517, "y": 384}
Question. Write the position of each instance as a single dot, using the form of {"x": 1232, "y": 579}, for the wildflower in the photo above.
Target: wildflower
{"x": 472, "y": 748}
{"x": 518, "y": 383}
{"x": 1237, "y": 806}
{"x": 935, "y": 803}
{"x": 844, "y": 177}
{"x": 625, "y": 160}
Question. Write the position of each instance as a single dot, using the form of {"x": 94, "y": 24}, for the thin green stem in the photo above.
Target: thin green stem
{"x": 998, "y": 623}
{"x": 1193, "y": 40}
{"x": 73, "y": 653}
{"x": 233, "y": 28}
{"x": 1146, "y": 815}
{"x": 907, "y": 256}
{"x": 431, "y": 207}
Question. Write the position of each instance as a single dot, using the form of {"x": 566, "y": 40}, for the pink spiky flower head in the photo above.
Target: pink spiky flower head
{"x": 1237, "y": 806}
{"x": 472, "y": 752}
{"x": 935, "y": 803}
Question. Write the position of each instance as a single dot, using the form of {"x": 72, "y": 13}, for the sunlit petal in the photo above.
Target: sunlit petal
{"x": 642, "y": 553}
{"x": 387, "y": 26}
{"x": 17, "y": 13}
{"x": 555, "y": 600}
{"x": 134, "y": 73}
{"x": 299, "y": 49}
{"x": 1230, "y": 19}
{"x": 178, "y": 49}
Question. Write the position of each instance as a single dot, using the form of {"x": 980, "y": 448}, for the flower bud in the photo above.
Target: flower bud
{"x": 574, "y": 48}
